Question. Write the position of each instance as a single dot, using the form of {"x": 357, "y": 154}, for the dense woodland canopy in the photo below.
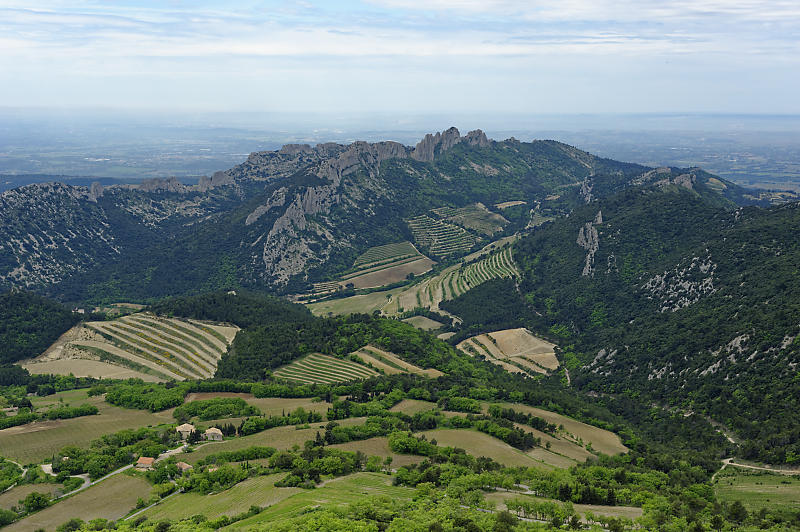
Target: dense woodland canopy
{"x": 675, "y": 282}
{"x": 29, "y": 324}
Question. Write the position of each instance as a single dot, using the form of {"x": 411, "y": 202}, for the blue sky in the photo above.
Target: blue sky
{"x": 404, "y": 56}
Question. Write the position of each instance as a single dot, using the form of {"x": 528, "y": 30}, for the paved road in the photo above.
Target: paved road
{"x": 87, "y": 482}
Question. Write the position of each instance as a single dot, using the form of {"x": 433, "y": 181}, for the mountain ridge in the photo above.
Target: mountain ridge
{"x": 284, "y": 218}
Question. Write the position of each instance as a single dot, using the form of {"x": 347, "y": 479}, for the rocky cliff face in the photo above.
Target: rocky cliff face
{"x": 282, "y": 214}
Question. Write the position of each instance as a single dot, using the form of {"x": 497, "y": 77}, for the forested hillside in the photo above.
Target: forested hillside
{"x": 29, "y": 324}
{"x": 284, "y": 219}
{"x": 658, "y": 294}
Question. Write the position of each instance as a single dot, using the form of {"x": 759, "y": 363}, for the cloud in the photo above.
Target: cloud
{"x": 362, "y": 50}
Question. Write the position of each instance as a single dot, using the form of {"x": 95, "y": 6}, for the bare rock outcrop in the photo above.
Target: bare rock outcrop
{"x": 432, "y": 145}
{"x": 95, "y": 191}
{"x": 589, "y": 240}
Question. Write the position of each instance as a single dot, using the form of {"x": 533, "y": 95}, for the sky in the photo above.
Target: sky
{"x": 403, "y": 56}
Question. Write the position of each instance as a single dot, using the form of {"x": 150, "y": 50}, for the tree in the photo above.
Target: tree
{"x": 35, "y": 501}
{"x": 737, "y": 512}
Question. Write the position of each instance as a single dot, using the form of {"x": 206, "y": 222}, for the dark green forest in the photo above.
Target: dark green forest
{"x": 29, "y": 324}
{"x": 687, "y": 304}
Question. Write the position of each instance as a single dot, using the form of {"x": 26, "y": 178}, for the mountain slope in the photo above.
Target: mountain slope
{"x": 285, "y": 218}
{"x": 658, "y": 294}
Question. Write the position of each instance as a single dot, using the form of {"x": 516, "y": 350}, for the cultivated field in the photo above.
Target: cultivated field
{"x": 441, "y": 238}
{"x": 269, "y": 406}
{"x": 38, "y": 441}
{"x": 110, "y": 499}
{"x": 423, "y": 323}
{"x": 603, "y": 441}
{"x": 323, "y": 369}
{"x": 515, "y": 350}
{"x": 378, "y": 255}
{"x": 492, "y": 262}
{"x": 629, "y": 512}
{"x": 366, "y": 303}
{"x": 758, "y": 490}
{"x": 480, "y": 444}
{"x": 507, "y": 204}
{"x": 339, "y": 491}
{"x": 390, "y": 273}
{"x": 259, "y": 491}
{"x": 451, "y": 283}
{"x": 379, "y": 266}
{"x": 379, "y": 447}
{"x": 14, "y": 495}
{"x": 412, "y": 406}
{"x": 138, "y": 345}
{"x": 390, "y": 364}
{"x": 279, "y": 438}
{"x": 476, "y": 217}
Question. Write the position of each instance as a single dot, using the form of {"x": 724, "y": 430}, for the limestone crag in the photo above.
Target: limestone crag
{"x": 589, "y": 239}
{"x": 433, "y": 145}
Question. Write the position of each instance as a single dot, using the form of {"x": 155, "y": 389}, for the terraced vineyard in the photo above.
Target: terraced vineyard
{"x": 323, "y": 369}
{"x": 515, "y": 350}
{"x": 155, "y": 347}
{"x": 441, "y": 238}
{"x": 378, "y": 266}
{"x": 384, "y": 254}
{"x": 476, "y": 217}
{"x": 452, "y": 282}
{"x": 390, "y": 364}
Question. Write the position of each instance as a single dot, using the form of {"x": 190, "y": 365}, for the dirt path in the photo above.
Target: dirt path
{"x": 24, "y": 470}
{"x": 730, "y": 462}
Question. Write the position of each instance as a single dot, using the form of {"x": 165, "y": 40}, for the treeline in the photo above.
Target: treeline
{"x": 244, "y": 309}
{"x": 113, "y": 451}
{"x": 275, "y": 332}
{"x": 61, "y": 412}
{"x": 217, "y": 408}
{"x": 29, "y": 324}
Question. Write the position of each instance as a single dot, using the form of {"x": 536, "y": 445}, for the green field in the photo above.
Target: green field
{"x": 259, "y": 491}
{"x": 110, "y": 499}
{"x": 603, "y": 441}
{"x": 337, "y": 492}
{"x": 383, "y": 254}
{"x": 476, "y": 217}
{"x": 379, "y": 447}
{"x": 38, "y": 441}
{"x": 628, "y": 512}
{"x": 14, "y": 495}
{"x": 423, "y": 323}
{"x": 758, "y": 490}
{"x": 279, "y": 437}
{"x": 323, "y": 369}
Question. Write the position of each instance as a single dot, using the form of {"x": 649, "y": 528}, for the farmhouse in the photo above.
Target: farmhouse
{"x": 145, "y": 463}
{"x": 185, "y": 430}
{"x": 213, "y": 434}
{"x": 183, "y": 467}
